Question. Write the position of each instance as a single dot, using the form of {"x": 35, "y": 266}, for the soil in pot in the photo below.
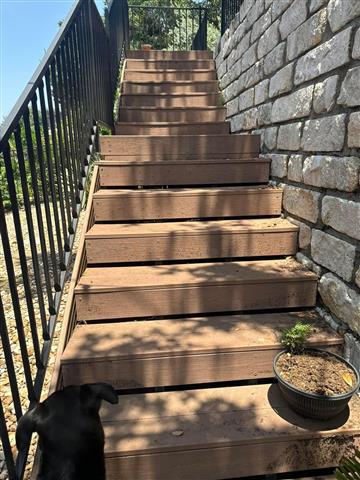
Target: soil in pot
{"x": 316, "y": 372}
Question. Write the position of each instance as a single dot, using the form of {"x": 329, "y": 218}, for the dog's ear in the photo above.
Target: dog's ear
{"x": 26, "y": 426}
{"x": 93, "y": 393}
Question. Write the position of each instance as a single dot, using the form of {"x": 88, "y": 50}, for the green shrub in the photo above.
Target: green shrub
{"x": 294, "y": 338}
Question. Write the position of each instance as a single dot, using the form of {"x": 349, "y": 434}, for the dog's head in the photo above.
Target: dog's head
{"x": 65, "y": 415}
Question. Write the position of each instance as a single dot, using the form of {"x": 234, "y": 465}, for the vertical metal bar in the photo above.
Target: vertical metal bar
{"x": 44, "y": 185}
{"x": 51, "y": 181}
{"x": 62, "y": 157}
{"x": 9, "y": 459}
{"x": 64, "y": 211}
{"x": 12, "y": 276}
{"x": 22, "y": 253}
{"x": 37, "y": 200}
{"x": 5, "y": 341}
{"x": 30, "y": 225}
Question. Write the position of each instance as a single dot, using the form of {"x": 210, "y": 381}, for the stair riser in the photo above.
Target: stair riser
{"x": 195, "y": 300}
{"x": 143, "y": 207}
{"x": 211, "y": 99}
{"x": 232, "y": 461}
{"x": 190, "y": 247}
{"x": 184, "y": 174}
{"x": 168, "y": 115}
{"x": 145, "y": 64}
{"x": 143, "y": 75}
{"x": 219, "y": 128}
{"x": 168, "y": 55}
{"x": 192, "y": 145}
{"x": 153, "y": 88}
{"x": 179, "y": 370}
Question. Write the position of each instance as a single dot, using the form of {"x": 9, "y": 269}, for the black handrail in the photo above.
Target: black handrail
{"x": 168, "y": 27}
{"x": 229, "y": 9}
{"x": 45, "y": 147}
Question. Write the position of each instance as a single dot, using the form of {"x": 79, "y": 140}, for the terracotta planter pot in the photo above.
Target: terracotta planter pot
{"x": 314, "y": 405}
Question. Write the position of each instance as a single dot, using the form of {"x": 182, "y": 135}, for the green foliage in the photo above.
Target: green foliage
{"x": 165, "y": 29}
{"x": 349, "y": 468}
{"x": 294, "y": 338}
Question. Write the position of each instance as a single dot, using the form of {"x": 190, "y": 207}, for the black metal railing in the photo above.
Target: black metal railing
{"x": 45, "y": 146}
{"x": 168, "y": 27}
{"x": 229, "y": 9}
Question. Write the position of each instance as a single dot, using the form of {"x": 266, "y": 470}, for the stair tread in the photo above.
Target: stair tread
{"x": 171, "y": 82}
{"x": 246, "y": 415}
{"x": 166, "y": 94}
{"x": 184, "y": 161}
{"x": 190, "y": 336}
{"x": 190, "y": 228}
{"x": 154, "y": 277}
{"x": 186, "y": 192}
{"x": 151, "y": 107}
{"x": 170, "y": 124}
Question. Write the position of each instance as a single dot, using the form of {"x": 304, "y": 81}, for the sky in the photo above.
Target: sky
{"x": 27, "y": 28}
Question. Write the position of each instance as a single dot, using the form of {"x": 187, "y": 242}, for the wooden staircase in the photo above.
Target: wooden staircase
{"x": 189, "y": 281}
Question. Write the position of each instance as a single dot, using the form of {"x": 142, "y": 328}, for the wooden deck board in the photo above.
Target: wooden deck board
{"x": 184, "y": 351}
{"x": 220, "y": 433}
{"x": 116, "y": 243}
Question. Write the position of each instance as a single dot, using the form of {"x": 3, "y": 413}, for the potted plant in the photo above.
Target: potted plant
{"x": 315, "y": 383}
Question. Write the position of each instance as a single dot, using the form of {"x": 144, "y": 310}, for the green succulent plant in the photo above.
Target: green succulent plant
{"x": 294, "y": 338}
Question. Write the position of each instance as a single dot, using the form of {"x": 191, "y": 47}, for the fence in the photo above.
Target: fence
{"x": 44, "y": 157}
{"x": 229, "y": 9}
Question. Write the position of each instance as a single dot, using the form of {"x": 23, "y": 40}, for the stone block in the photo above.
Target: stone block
{"x": 356, "y": 47}
{"x": 324, "y": 94}
{"x": 250, "y": 119}
{"x": 269, "y": 39}
{"x": 342, "y": 215}
{"x": 357, "y": 277}
{"x": 309, "y": 264}
{"x": 295, "y": 166}
{"x": 281, "y": 82}
{"x": 354, "y": 130}
{"x": 246, "y": 100}
{"x": 278, "y": 165}
{"x": 304, "y": 235}
{"x": 350, "y": 88}
{"x": 333, "y": 253}
{"x": 278, "y": 7}
{"x": 295, "y": 105}
{"x": 221, "y": 69}
{"x": 261, "y": 92}
{"x": 236, "y": 123}
{"x": 307, "y": 35}
{"x": 301, "y": 202}
{"x": 275, "y": 59}
{"x": 338, "y": 173}
{"x": 249, "y": 58}
{"x": 260, "y": 26}
{"x": 341, "y": 12}
{"x": 254, "y": 75}
{"x": 289, "y": 136}
{"x": 325, "y": 134}
{"x": 316, "y": 4}
{"x": 255, "y": 11}
{"x": 270, "y": 137}
{"x": 342, "y": 301}
{"x": 264, "y": 114}
{"x": 326, "y": 57}
{"x": 294, "y": 16}
{"x": 232, "y": 107}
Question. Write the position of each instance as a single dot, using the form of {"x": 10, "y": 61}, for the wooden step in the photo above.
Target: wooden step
{"x": 146, "y": 242}
{"x": 169, "y": 75}
{"x": 183, "y": 172}
{"x": 175, "y": 147}
{"x": 170, "y": 64}
{"x": 154, "y": 114}
{"x": 125, "y": 205}
{"x": 166, "y": 100}
{"x": 170, "y": 87}
{"x": 184, "y": 351}
{"x": 170, "y": 55}
{"x": 212, "y": 434}
{"x": 172, "y": 128}
{"x": 188, "y": 289}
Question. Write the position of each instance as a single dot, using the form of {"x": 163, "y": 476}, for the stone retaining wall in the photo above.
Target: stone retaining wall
{"x": 290, "y": 70}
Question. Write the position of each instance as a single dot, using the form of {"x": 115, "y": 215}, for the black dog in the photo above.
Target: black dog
{"x": 71, "y": 437}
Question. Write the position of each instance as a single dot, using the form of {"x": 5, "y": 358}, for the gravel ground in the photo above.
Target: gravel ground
{"x": 6, "y": 298}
